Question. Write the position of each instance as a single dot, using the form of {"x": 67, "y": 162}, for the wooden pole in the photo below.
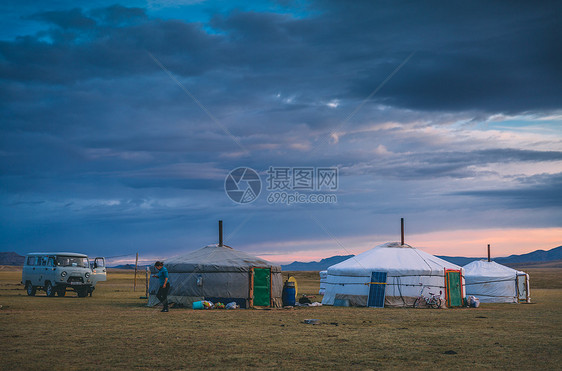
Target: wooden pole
{"x": 136, "y": 264}
{"x": 251, "y": 304}
{"x": 146, "y": 283}
{"x": 220, "y": 232}
{"x": 402, "y": 230}
{"x": 489, "y": 253}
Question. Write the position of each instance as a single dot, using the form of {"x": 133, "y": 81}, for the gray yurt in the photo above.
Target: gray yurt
{"x": 219, "y": 273}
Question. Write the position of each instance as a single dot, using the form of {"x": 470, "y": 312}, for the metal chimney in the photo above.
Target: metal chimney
{"x": 402, "y": 230}
{"x": 220, "y": 232}
{"x": 489, "y": 253}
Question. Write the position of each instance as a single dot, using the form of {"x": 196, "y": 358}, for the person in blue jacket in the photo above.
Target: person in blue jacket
{"x": 164, "y": 284}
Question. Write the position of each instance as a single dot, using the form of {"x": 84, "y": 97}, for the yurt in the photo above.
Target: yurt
{"x": 495, "y": 283}
{"x": 323, "y": 278}
{"x": 221, "y": 274}
{"x": 394, "y": 275}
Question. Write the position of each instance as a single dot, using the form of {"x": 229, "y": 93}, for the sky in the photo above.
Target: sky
{"x": 121, "y": 122}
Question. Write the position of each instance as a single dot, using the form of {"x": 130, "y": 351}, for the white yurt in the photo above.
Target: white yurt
{"x": 491, "y": 282}
{"x": 220, "y": 273}
{"x": 400, "y": 271}
{"x": 323, "y": 278}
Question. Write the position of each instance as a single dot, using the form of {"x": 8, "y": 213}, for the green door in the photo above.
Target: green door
{"x": 262, "y": 287}
{"x": 454, "y": 288}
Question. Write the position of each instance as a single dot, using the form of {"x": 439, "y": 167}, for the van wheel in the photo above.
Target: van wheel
{"x": 61, "y": 292}
{"x": 49, "y": 289}
{"x": 82, "y": 292}
{"x": 31, "y": 290}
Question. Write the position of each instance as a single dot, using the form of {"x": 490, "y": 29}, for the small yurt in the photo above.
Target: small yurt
{"x": 491, "y": 282}
{"x": 393, "y": 274}
{"x": 218, "y": 273}
{"x": 221, "y": 274}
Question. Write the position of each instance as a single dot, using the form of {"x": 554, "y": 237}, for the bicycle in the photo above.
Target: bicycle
{"x": 434, "y": 301}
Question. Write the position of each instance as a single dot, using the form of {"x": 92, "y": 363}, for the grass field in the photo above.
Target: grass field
{"x": 115, "y": 330}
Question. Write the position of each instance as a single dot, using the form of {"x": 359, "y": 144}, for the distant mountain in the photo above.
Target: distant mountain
{"x": 538, "y": 256}
{"x": 124, "y": 266}
{"x": 533, "y": 258}
{"x": 315, "y": 266}
{"x": 11, "y": 258}
{"x": 130, "y": 266}
{"x": 458, "y": 260}
{"x": 549, "y": 264}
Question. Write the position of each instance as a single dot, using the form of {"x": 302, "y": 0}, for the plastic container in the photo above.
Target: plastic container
{"x": 197, "y": 305}
{"x": 289, "y": 294}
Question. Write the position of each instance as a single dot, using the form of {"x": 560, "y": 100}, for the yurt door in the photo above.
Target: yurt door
{"x": 260, "y": 287}
{"x": 522, "y": 288}
{"x": 377, "y": 289}
{"x": 453, "y": 288}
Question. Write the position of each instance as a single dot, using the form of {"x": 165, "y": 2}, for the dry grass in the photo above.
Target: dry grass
{"x": 544, "y": 278}
{"x": 525, "y": 266}
{"x": 114, "y": 330}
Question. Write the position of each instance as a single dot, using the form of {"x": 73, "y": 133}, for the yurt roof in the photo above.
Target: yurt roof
{"x": 215, "y": 258}
{"x": 484, "y": 268}
{"x": 393, "y": 258}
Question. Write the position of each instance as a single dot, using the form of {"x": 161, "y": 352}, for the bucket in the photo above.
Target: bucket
{"x": 197, "y": 305}
{"x": 289, "y": 294}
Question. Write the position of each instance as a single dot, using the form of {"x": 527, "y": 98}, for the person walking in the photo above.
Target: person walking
{"x": 164, "y": 287}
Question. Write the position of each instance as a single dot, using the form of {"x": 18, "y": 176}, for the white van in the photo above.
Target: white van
{"x": 56, "y": 272}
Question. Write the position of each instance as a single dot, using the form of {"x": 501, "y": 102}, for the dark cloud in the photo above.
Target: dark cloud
{"x": 73, "y": 19}
{"x": 97, "y": 141}
{"x": 440, "y": 164}
{"x": 544, "y": 195}
{"x": 513, "y": 154}
{"x": 118, "y": 15}
{"x": 113, "y": 43}
{"x": 490, "y": 57}
{"x": 474, "y": 55}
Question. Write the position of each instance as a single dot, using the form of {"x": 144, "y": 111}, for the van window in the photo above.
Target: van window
{"x": 71, "y": 261}
{"x": 51, "y": 261}
{"x": 31, "y": 260}
{"x": 43, "y": 260}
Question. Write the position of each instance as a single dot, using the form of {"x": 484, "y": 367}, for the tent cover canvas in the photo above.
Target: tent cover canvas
{"x": 409, "y": 272}
{"x": 495, "y": 283}
{"x": 217, "y": 273}
{"x": 323, "y": 278}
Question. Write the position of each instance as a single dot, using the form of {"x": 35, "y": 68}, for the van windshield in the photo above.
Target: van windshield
{"x": 72, "y": 261}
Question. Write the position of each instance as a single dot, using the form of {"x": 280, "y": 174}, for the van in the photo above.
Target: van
{"x": 56, "y": 272}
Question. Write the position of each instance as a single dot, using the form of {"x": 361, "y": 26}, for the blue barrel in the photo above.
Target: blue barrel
{"x": 289, "y": 294}
{"x": 197, "y": 305}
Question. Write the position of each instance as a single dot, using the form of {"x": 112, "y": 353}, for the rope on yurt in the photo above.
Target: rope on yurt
{"x": 399, "y": 283}
{"x": 494, "y": 296}
{"x": 416, "y": 251}
{"x": 492, "y": 281}
{"x": 400, "y": 290}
